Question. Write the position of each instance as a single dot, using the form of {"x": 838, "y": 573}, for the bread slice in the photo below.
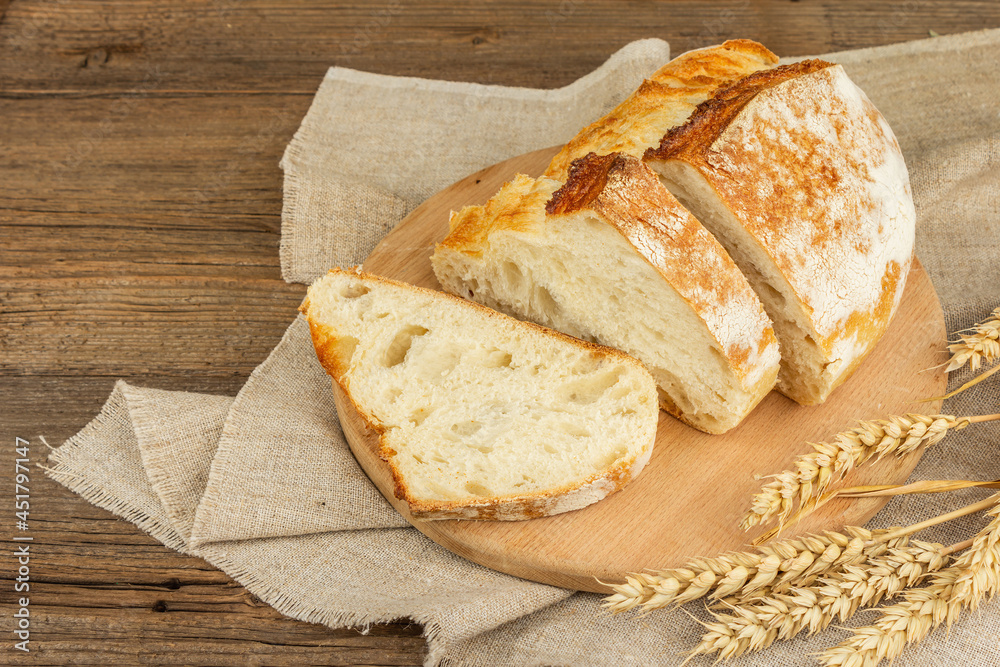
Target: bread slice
{"x": 801, "y": 179}
{"x": 613, "y": 258}
{"x": 481, "y": 416}
{"x": 663, "y": 101}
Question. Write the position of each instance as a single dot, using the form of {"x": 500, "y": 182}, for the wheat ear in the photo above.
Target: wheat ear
{"x": 775, "y": 567}
{"x": 974, "y": 574}
{"x": 983, "y": 344}
{"x": 838, "y": 595}
{"x": 830, "y": 461}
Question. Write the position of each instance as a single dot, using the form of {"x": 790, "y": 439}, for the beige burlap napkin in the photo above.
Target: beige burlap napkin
{"x": 264, "y": 486}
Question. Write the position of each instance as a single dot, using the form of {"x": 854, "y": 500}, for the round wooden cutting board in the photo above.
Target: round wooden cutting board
{"x": 689, "y": 500}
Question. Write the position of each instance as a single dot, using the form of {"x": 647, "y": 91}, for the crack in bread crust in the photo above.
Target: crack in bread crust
{"x": 663, "y": 101}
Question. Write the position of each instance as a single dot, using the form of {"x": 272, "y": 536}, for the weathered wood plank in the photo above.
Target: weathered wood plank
{"x": 258, "y": 45}
{"x": 172, "y": 159}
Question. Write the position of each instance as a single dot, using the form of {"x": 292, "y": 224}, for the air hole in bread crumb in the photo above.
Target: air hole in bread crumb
{"x": 343, "y": 349}
{"x": 466, "y": 429}
{"x": 546, "y": 303}
{"x": 417, "y": 417}
{"x": 550, "y": 449}
{"x": 396, "y": 353}
{"x": 776, "y": 298}
{"x": 584, "y": 365}
{"x": 354, "y": 290}
{"x": 476, "y": 489}
{"x": 589, "y": 389}
{"x": 614, "y": 456}
{"x": 512, "y": 274}
{"x": 471, "y": 287}
{"x": 575, "y": 430}
{"x": 497, "y": 359}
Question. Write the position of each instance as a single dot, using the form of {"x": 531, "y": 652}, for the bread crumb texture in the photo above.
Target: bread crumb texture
{"x": 481, "y": 416}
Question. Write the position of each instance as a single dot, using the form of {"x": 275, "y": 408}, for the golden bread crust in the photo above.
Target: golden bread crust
{"x": 518, "y": 206}
{"x": 663, "y": 101}
{"x": 812, "y": 171}
{"x": 714, "y": 114}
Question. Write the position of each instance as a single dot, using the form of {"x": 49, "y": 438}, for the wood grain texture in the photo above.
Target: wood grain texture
{"x": 184, "y": 47}
{"x": 690, "y": 498}
{"x": 140, "y": 206}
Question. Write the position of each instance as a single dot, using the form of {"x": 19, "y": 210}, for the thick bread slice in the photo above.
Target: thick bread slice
{"x": 802, "y": 180}
{"x": 615, "y": 259}
{"x": 663, "y": 101}
{"x": 481, "y": 416}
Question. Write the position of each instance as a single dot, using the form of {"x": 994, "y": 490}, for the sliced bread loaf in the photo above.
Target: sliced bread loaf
{"x": 663, "y": 101}
{"x": 801, "y": 179}
{"x": 612, "y": 257}
{"x": 481, "y": 416}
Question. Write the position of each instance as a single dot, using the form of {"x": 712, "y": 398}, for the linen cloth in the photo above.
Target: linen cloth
{"x": 264, "y": 486}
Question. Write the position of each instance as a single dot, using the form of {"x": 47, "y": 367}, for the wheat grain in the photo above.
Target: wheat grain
{"x": 774, "y": 568}
{"x": 829, "y": 461}
{"x": 973, "y": 575}
{"x": 983, "y": 344}
{"x": 838, "y": 595}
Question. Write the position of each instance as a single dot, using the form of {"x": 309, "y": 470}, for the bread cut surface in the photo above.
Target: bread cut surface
{"x": 802, "y": 180}
{"x": 612, "y": 257}
{"x": 663, "y": 101}
{"x": 481, "y": 416}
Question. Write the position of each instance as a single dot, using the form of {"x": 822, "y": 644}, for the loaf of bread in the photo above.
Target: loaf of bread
{"x": 802, "y": 180}
{"x": 663, "y": 101}
{"x": 612, "y": 257}
{"x": 481, "y": 416}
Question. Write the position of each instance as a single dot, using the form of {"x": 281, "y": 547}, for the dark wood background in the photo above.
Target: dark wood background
{"x": 140, "y": 202}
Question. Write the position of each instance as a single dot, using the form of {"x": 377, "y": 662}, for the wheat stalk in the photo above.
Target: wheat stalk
{"x": 829, "y": 461}
{"x": 837, "y": 595}
{"x": 973, "y": 575}
{"x": 775, "y": 568}
{"x": 927, "y": 486}
{"x": 983, "y": 344}
{"x": 734, "y": 573}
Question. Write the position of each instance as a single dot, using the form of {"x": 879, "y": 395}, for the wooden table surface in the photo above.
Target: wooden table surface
{"x": 140, "y": 202}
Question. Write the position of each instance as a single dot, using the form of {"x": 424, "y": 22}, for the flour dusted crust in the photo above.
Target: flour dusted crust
{"x": 553, "y": 235}
{"x": 813, "y": 173}
{"x": 626, "y": 194}
{"x": 663, "y": 101}
{"x": 336, "y": 349}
